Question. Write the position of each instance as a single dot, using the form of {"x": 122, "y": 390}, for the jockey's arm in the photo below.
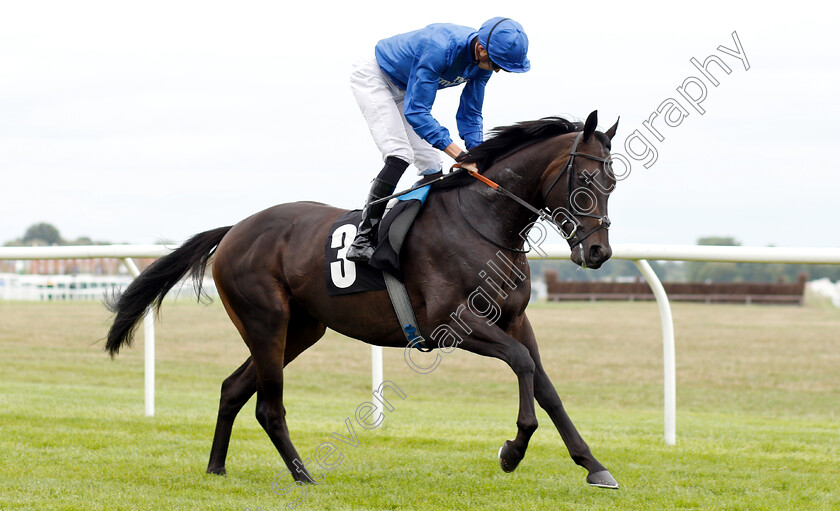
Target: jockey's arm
{"x": 453, "y": 150}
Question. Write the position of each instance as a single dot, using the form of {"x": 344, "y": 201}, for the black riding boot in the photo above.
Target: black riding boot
{"x": 365, "y": 243}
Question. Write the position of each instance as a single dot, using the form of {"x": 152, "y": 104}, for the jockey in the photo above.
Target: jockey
{"x": 396, "y": 90}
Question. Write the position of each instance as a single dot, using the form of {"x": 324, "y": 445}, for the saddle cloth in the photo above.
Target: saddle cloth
{"x": 346, "y": 277}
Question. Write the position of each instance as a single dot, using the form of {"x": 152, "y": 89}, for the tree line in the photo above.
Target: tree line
{"x": 45, "y": 234}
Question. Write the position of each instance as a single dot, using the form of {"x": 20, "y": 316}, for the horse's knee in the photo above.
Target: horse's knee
{"x": 521, "y": 361}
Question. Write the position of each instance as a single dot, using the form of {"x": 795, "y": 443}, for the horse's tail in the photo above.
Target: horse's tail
{"x": 150, "y": 287}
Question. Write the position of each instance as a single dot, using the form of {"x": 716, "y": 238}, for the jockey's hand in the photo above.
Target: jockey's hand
{"x": 455, "y": 152}
{"x": 470, "y": 166}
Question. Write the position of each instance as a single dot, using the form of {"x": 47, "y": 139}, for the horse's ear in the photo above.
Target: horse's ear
{"x": 591, "y": 124}
{"x": 611, "y": 132}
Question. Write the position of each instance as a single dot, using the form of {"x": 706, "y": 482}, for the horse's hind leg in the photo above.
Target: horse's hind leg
{"x": 549, "y": 400}
{"x": 266, "y": 339}
{"x": 237, "y": 389}
{"x": 261, "y": 311}
{"x": 302, "y": 332}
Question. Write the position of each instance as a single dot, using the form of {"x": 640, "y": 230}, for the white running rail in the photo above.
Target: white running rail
{"x": 126, "y": 253}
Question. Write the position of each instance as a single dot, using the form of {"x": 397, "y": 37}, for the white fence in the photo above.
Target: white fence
{"x": 640, "y": 254}
{"x": 73, "y": 287}
{"x": 125, "y": 253}
{"x": 59, "y": 287}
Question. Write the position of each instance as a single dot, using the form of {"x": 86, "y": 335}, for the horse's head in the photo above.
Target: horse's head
{"x": 576, "y": 187}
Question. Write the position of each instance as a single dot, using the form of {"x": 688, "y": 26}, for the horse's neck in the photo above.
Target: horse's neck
{"x": 500, "y": 217}
{"x": 523, "y": 181}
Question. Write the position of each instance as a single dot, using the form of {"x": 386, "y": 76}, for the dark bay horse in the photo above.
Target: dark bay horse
{"x": 269, "y": 271}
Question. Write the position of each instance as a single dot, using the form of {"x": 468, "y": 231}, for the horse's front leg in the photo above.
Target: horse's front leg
{"x": 498, "y": 344}
{"x": 550, "y": 401}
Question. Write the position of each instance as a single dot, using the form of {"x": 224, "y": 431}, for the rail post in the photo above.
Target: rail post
{"x": 149, "y": 347}
{"x": 668, "y": 351}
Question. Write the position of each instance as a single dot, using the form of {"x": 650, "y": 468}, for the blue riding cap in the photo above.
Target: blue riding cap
{"x": 507, "y": 44}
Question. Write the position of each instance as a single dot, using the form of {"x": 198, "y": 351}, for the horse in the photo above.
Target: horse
{"x": 269, "y": 273}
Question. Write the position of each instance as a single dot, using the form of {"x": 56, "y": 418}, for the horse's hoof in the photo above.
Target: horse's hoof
{"x": 507, "y": 458}
{"x": 218, "y": 471}
{"x": 602, "y": 479}
{"x": 305, "y": 477}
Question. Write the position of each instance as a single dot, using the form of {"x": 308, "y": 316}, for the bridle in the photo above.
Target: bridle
{"x": 577, "y": 233}
{"x": 603, "y": 221}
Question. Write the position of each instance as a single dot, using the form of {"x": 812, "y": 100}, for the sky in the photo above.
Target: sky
{"x": 153, "y": 121}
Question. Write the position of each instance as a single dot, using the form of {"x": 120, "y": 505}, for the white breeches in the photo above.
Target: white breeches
{"x": 381, "y": 102}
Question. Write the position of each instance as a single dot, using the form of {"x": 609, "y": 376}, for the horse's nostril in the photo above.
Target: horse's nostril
{"x": 595, "y": 253}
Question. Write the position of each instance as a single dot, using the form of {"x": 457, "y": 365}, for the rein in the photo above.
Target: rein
{"x": 544, "y": 213}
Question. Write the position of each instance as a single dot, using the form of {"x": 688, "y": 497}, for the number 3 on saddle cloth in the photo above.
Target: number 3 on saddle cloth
{"x": 346, "y": 277}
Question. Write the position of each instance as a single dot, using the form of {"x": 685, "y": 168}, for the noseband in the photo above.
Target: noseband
{"x": 577, "y": 234}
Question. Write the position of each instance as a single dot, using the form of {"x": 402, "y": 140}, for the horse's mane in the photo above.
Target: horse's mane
{"x": 506, "y": 139}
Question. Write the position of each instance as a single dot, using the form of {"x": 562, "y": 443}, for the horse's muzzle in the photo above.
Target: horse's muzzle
{"x": 591, "y": 257}
{"x": 598, "y": 255}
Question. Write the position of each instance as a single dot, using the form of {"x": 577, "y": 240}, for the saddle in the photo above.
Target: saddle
{"x": 346, "y": 277}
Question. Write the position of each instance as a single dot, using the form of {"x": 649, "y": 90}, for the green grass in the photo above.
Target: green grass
{"x": 758, "y": 395}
